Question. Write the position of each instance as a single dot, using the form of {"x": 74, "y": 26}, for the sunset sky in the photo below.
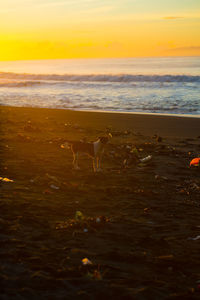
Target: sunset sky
{"x": 44, "y": 29}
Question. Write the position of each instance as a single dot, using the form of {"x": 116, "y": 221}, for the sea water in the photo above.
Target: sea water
{"x": 152, "y": 85}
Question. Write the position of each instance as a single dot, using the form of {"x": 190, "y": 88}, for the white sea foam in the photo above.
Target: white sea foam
{"x": 156, "y": 85}
{"x": 50, "y": 78}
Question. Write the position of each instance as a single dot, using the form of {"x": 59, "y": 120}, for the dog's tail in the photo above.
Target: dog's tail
{"x": 110, "y": 135}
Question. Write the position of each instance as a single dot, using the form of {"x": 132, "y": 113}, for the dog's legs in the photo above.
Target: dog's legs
{"x": 99, "y": 167}
{"x": 95, "y": 164}
{"x": 99, "y": 163}
{"x": 75, "y": 161}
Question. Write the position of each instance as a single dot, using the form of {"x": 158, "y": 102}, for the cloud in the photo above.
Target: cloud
{"x": 191, "y": 50}
{"x": 14, "y": 5}
{"x": 172, "y": 18}
{"x": 187, "y": 48}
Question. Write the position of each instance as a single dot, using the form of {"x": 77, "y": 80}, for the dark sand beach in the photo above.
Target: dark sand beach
{"x": 140, "y": 223}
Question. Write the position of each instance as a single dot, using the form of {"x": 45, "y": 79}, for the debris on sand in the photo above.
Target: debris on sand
{"x": 137, "y": 223}
{"x": 135, "y": 152}
{"x": 55, "y": 187}
{"x": 53, "y": 178}
{"x": 195, "y": 238}
{"x": 83, "y": 224}
{"x": 146, "y": 159}
{"x": 94, "y": 275}
{"x": 23, "y": 138}
{"x": 158, "y": 138}
{"x": 133, "y": 157}
{"x": 86, "y": 261}
{"x": 47, "y": 180}
{"x": 195, "y": 162}
{"x": 90, "y": 270}
{"x": 47, "y": 191}
{"x": 79, "y": 216}
{"x": 4, "y": 179}
{"x": 30, "y": 128}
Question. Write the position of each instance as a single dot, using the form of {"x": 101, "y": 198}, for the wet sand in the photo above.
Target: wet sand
{"x": 140, "y": 223}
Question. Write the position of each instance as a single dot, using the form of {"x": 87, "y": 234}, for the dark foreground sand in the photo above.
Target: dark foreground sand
{"x": 140, "y": 221}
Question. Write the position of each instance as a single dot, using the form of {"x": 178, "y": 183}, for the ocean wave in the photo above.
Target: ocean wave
{"x": 34, "y": 79}
{"x": 20, "y": 83}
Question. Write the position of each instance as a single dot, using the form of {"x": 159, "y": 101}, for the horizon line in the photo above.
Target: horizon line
{"x": 117, "y": 57}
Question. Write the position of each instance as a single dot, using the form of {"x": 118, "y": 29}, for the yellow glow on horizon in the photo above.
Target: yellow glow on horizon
{"x": 61, "y": 29}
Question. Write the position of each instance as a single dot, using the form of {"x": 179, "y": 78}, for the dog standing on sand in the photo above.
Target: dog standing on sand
{"x": 95, "y": 150}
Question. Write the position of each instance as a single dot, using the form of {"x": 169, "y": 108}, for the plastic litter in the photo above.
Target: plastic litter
{"x": 86, "y": 261}
{"x": 6, "y": 179}
{"x": 146, "y": 159}
{"x": 195, "y": 162}
{"x": 54, "y": 187}
{"x": 195, "y": 238}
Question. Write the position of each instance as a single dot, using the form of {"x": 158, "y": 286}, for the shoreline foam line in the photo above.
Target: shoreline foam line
{"x": 109, "y": 111}
{"x": 139, "y": 113}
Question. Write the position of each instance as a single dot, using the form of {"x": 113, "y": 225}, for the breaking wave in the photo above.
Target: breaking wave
{"x": 36, "y": 79}
{"x": 20, "y": 83}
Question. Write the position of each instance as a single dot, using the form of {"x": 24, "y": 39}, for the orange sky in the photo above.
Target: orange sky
{"x": 43, "y": 29}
